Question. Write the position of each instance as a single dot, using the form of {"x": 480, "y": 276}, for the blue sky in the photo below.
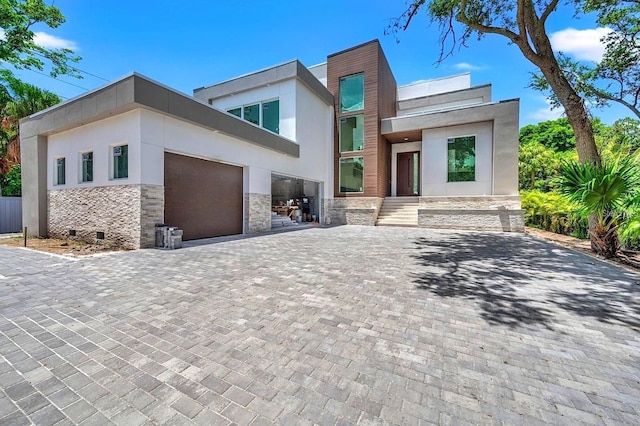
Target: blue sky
{"x": 194, "y": 43}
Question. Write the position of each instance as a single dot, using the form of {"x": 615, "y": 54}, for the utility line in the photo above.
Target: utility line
{"x": 74, "y": 68}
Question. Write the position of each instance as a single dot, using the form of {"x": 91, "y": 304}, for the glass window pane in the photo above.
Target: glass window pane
{"x": 121, "y": 162}
{"x": 352, "y": 93}
{"x": 462, "y": 159}
{"x": 252, "y": 113}
{"x": 351, "y": 175}
{"x": 87, "y": 167}
{"x": 271, "y": 116}
{"x": 235, "y": 111}
{"x": 60, "y": 171}
{"x": 352, "y": 133}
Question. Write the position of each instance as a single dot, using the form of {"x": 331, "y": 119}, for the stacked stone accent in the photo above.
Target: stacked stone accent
{"x": 127, "y": 214}
{"x": 257, "y": 212}
{"x": 490, "y": 213}
{"x": 151, "y": 213}
{"x": 353, "y": 211}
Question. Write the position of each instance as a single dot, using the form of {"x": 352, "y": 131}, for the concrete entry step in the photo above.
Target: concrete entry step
{"x": 399, "y": 211}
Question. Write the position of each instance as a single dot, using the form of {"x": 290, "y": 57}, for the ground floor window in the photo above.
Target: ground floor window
{"x": 87, "y": 167}
{"x": 60, "y": 171}
{"x": 121, "y": 162}
{"x": 351, "y": 174}
{"x": 461, "y": 159}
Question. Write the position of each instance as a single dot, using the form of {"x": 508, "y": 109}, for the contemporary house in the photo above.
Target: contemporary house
{"x": 114, "y": 162}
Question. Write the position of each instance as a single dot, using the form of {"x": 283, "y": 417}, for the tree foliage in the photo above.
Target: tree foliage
{"x": 17, "y": 45}
{"x": 523, "y": 23}
{"x": 616, "y": 78}
{"x": 553, "y": 134}
{"x": 607, "y": 192}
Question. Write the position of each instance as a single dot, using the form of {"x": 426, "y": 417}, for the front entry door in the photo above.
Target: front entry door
{"x": 408, "y": 174}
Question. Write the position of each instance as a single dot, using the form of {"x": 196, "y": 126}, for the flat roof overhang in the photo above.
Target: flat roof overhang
{"x": 136, "y": 91}
{"x": 409, "y": 128}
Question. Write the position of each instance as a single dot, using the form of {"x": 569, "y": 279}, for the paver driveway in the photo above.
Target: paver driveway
{"x": 330, "y": 326}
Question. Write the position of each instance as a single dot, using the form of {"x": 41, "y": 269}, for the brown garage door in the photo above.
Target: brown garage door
{"x": 203, "y": 198}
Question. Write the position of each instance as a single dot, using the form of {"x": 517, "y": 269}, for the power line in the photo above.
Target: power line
{"x": 74, "y": 68}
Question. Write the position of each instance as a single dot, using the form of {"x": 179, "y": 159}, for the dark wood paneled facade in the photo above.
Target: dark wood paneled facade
{"x": 379, "y": 102}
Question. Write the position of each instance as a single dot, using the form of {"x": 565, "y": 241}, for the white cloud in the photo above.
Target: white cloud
{"x": 52, "y": 42}
{"x": 546, "y": 113}
{"x": 465, "y": 66}
{"x": 584, "y": 45}
{"x": 48, "y": 41}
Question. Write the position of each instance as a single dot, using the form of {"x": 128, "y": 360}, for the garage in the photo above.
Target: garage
{"x": 203, "y": 198}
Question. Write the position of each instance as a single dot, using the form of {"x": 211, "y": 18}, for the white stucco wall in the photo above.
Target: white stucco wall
{"x": 285, "y": 91}
{"x": 434, "y": 161}
{"x": 432, "y": 87}
{"x": 160, "y": 133}
{"x": 315, "y": 134}
{"x": 98, "y": 137}
{"x": 441, "y": 106}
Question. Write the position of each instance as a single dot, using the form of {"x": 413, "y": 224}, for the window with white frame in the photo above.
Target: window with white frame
{"x": 61, "y": 174}
{"x": 120, "y": 161}
{"x": 86, "y": 169}
{"x": 265, "y": 114}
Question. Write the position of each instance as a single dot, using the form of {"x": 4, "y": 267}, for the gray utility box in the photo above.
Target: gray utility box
{"x": 168, "y": 237}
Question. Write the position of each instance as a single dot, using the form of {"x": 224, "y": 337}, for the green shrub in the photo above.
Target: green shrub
{"x": 11, "y": 183}
{"x": 552, "y": 212}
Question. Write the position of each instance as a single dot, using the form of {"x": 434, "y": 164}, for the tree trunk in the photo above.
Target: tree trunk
{"x": 576, "y": 112}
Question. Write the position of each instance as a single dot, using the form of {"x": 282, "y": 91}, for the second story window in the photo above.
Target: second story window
{"x": 352, "y": 93}
{"x": 265, "y": 114}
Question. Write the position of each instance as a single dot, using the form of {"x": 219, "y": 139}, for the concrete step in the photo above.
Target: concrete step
{"x": 399, "y": 211}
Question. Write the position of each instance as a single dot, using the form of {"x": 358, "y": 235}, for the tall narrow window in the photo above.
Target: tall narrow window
{"x": 352, "y": 93}
{"x": 87, "y": 167}
{"x": 251, "y": 113}
{"x": 352, "y": 133}
{"x": 271, "y": 116}
{"x": 461, "y": 159}
{"x": 61, "y": 175}
{"x": 235, "y": 111}
{"x": 121, "y": 162}
{"x": 351, "y": 174}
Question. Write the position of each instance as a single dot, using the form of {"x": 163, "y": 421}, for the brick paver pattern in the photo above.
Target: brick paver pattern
{"x": 328, "y": 326}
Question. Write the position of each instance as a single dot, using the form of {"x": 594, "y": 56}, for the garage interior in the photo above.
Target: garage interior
{"x": 287, "y": 194}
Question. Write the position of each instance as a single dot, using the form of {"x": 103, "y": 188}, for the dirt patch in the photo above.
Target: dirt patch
{"x": 583, "y": 246}
{"x": 60, "y": 246}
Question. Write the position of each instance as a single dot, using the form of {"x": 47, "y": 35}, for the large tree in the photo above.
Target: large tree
{"x": 523, "y": 23}
{"x": 17, "y": 100}
{"x": 616, "y": 77}
{"x": 18, "y": 46}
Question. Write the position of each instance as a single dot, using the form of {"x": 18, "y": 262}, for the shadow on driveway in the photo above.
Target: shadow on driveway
{"x": 522, "y": 281}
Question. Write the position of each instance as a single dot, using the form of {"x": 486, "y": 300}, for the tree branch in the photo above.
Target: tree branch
{"x": 550, "y": 8}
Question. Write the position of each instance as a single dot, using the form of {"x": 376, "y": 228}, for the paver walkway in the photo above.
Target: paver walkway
{"x": 329, "y": 326}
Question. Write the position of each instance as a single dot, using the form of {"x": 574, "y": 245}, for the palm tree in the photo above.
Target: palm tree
{"x": 17, "y": 100}
{"x": 607, "y": 194}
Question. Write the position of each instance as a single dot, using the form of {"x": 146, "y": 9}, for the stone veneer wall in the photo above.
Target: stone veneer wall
{"x": 257, "y": 212}
{"x": 490, "y": 213}
{"x": 151, "y": 213}
{"x": 353, "y": 211}
{"x": 127, "y": 214}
